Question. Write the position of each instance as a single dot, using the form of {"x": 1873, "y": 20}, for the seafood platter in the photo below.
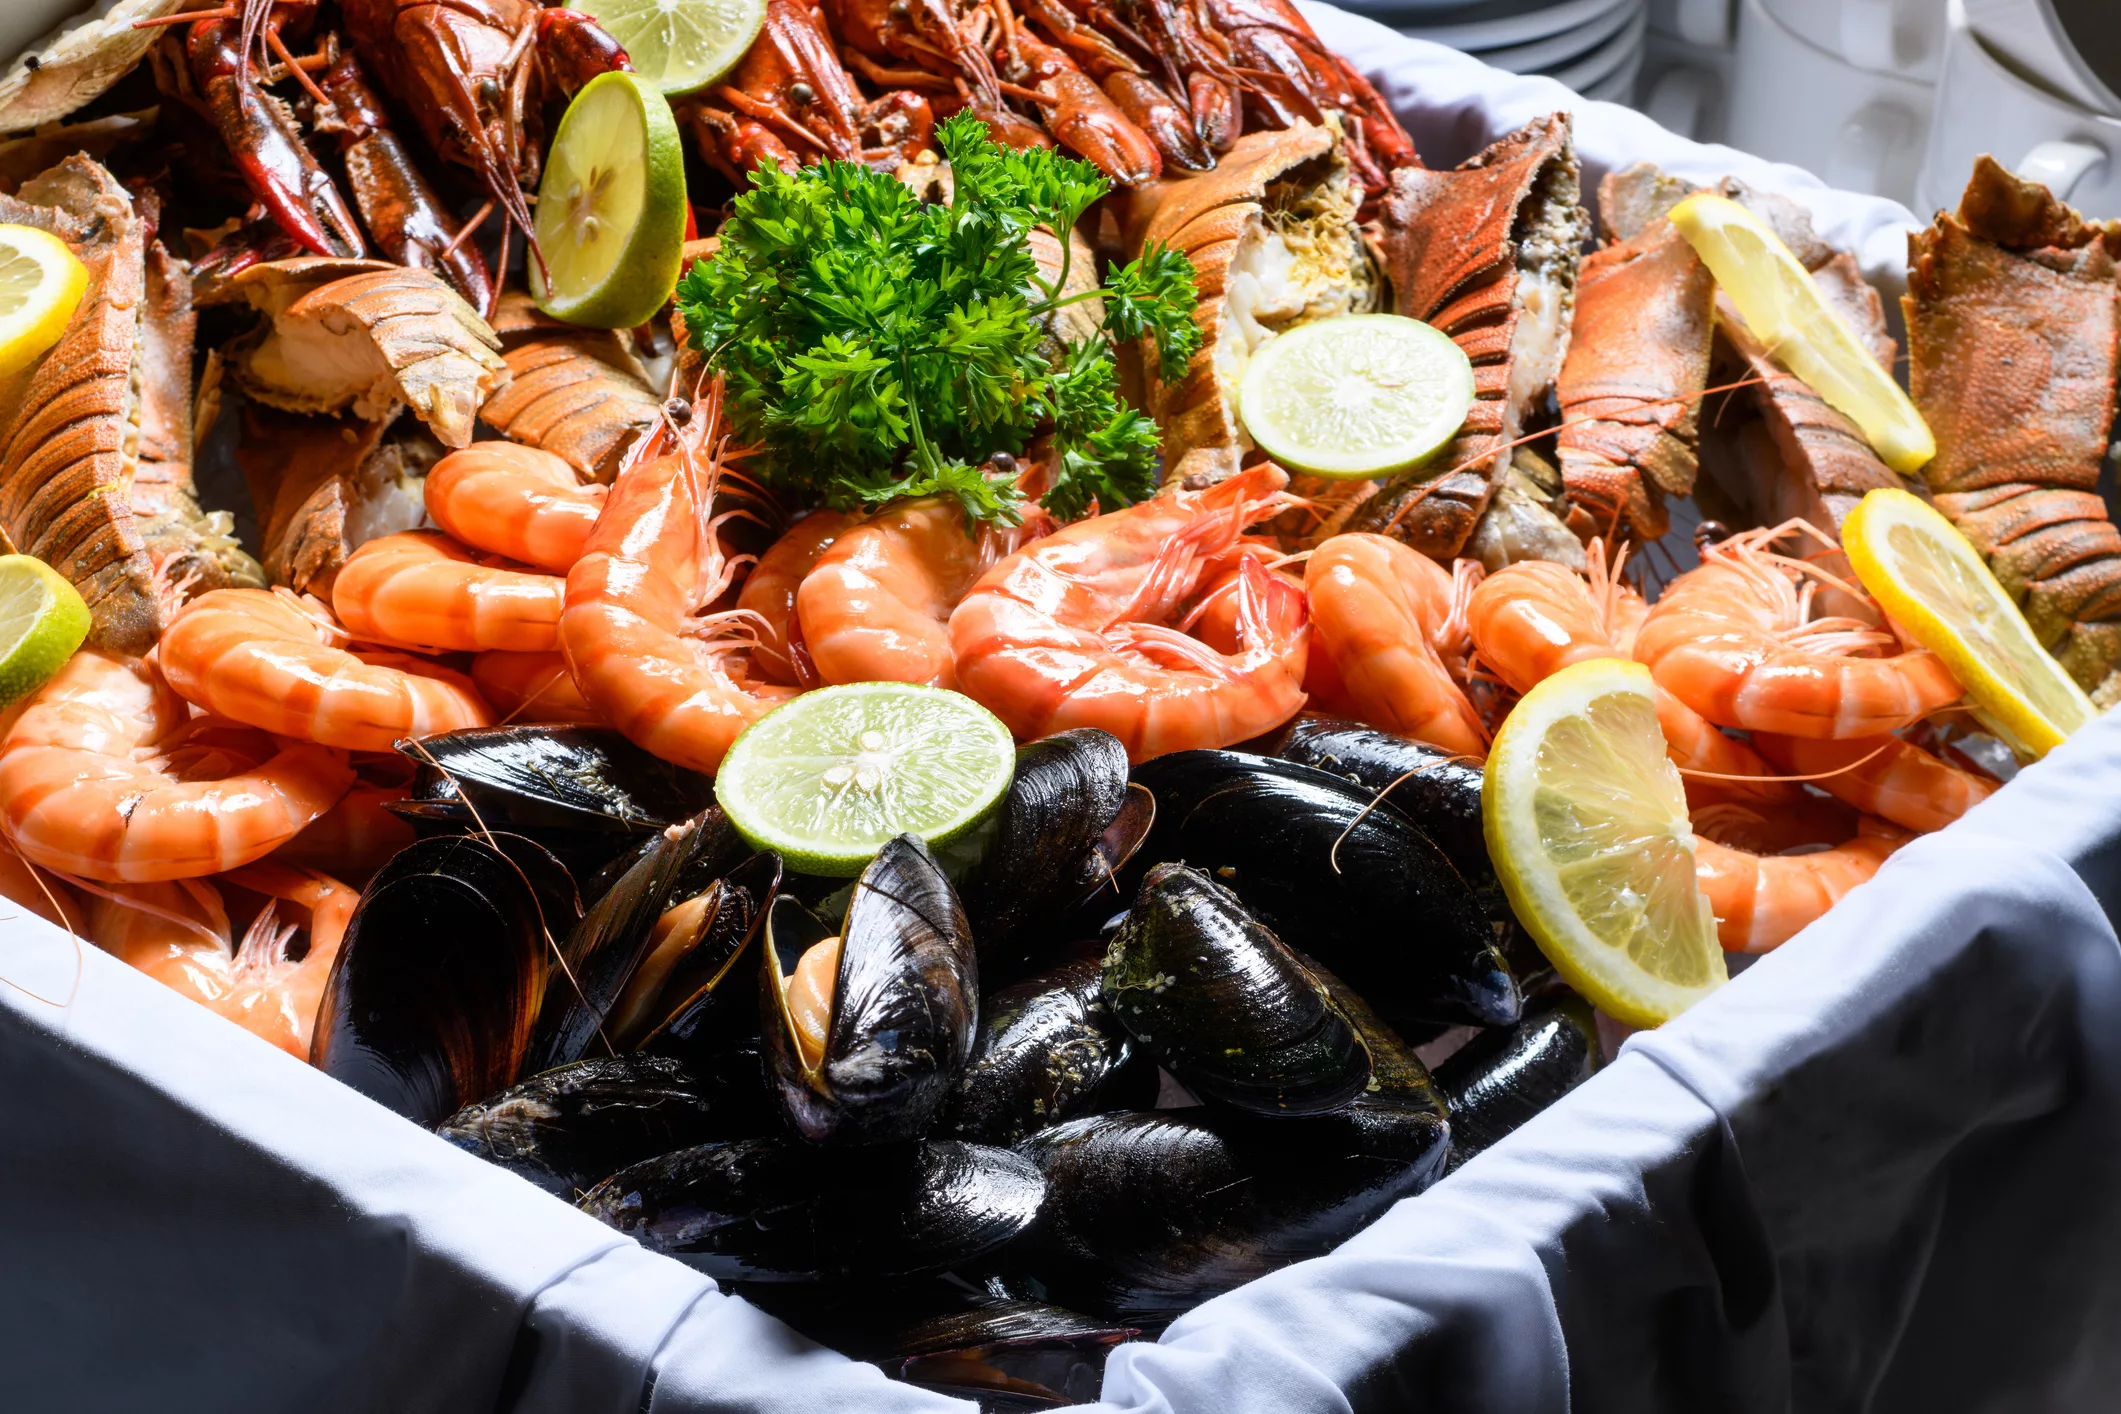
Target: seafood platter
{"x": 984, "y": 668}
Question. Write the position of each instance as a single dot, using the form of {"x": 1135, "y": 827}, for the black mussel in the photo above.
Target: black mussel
{"x": 1148, "y": 1213}
{"x": 1215, "y": 997}
{"x": 1048, "y": 1049}
{"x": 1501, "y": 1078}
{"x": 1399, "y": 1082}
{"x": 769, "y": 1210}
{"x": 433, "y": 993}
{"x": 1337, "y": 875}
{"x": 867, "y": 1029}
{"x": 585, "y": 793}
{"x": 572, "y": 1127}
{"x": 1065, "y": 827}
{"x": 690, "y": 976}
{"x": 607, "y": 948}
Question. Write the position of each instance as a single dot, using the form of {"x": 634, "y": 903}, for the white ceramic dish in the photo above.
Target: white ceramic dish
{"x": 1543, "y": 56}
{"x": 1515, "y": 26}
{"x": 1617, "y": 57}
{"x": 2073, "y": 47}
{"x": 1904, "y": 37}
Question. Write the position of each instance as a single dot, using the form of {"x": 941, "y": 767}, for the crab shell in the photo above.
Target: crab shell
{"x": 577, "y": 393}
{"x": 76, "y": 63}
{"x": 1205, "y": 217}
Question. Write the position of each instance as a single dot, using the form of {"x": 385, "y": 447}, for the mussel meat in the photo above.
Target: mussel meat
{"x": 572, "y": 1127}
{"x": 1048, "y": 1049}
{"x": 767, "y": 1210}
{"x": 585, "y": 793}
{"x": 1501, "y": 1078}
{"x": 867, "y": 1029}
{"x": 1066, "y": 825}
{"x": 1223, "y": 1006}
{"x": 1337, "y": 875}
{"x": 436, "y": 985}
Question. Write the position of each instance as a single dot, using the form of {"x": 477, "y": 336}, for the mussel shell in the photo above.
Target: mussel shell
{"x": 602, "y": 951}
{"x": 1215, "y": 997}
{"x": 1501, "y": 1078}
{"x": 1046, "y": 849}
{"x": 779, "y": 1210}
{"x": 584, "y": 792}
{"x": 707, "y": 1004}
{"x": 432, "y": 995}
{"x": 1048, "y": 1049}
{"x": 905, "y": 1004}
{"x": 1337, "y": 875}
{"x": 1150, "y": 1212}
{"x": 570, "y": 1128}
{"x": 1398, "y": 1079}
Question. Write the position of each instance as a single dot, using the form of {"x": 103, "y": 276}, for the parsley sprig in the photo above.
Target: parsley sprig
{"x": 875, "y": 346}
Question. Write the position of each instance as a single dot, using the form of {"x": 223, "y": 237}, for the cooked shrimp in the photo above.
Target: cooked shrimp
{"x": 421, "y": 589}
{"x": 355, "y": 838}
{"x": 268, "y": 659}
{"x": 530, "y": 687}
{"x": 1763, "y": 900}
{"x": 1072, "y": 630}
{"x": 1895, "y": 779}
{"x": 99, "y": 779}
{"x": 178, "y": 933}
{"x": 876, "y": 606}
{"x": 1534, "y": 618}
{"x": 1735, "y": 641}
{"x": 644, "y": 651}
{"x": 769, "y": 594}
{"x": 24, "y": 884}
{"x": 515, "y": 501}
{"x": 1376, "y": 607}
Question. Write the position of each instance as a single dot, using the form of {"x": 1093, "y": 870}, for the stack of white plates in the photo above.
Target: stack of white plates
{"x": 1593, "y": 46}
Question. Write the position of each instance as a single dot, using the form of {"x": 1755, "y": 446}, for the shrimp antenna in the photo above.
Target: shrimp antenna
{"x": 66, "y": 922}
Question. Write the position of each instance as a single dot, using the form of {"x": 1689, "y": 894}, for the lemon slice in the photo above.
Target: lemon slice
{"x": 41, "y": 284}
{"x": 611, "y": 207}
{"x": 681, "y": 46}
{"x": 1587, "y": 825}
{"x": 42, "y": 622}
{"x": 1785, "y": 309}
{"x": 829, "y": 777}
{"x": 1933, "y": 583}
{"x": 1359, "y": 396}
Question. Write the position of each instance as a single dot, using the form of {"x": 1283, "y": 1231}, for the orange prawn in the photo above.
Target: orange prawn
{"x": 530, "y": 687}
{"x": 515, "y": 501}
{"x": 423, "y": 590}
{"x": 1072, "y": 631}
{"x": 356, "y": 837}
{"x": 1763, "y": 900}
{"x": 769, "y": 593}
{"x": 105, "y": 776}
{"x": 1883, "y": 776}
{"x": 1376, "y": 609}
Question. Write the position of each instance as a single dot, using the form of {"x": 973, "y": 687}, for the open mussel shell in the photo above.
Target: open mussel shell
{"x": 1148, "y": 1213}
{"x": 1065, "y": 827}
{"x": 585, "y": 793}
{"x": 569, "y": 1128}
{"x": 904, "y": 1003}
{"x": 1048, "y": 1049}
{"x": 1501, "y": 1078}
{"x": 769, "y": 1210}
{"x": 436, "y": 984}
{"x": 604, "y": 951}
{"x": 1223, "y": 1006}
{"x": 1337, "y": 875}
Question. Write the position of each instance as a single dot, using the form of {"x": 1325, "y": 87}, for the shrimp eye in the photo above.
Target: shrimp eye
{"x": 801, "y": 94}
{"x": 489, "y": 93}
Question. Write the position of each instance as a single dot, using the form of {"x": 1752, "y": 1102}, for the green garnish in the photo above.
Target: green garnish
{"x": 875, "y": 346}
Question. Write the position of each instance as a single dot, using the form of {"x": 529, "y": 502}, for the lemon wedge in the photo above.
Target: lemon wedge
{"x": 1785, "y": 310}
{"x": 41, "y": 284}
{"x": 1587, "y": 825}
{"x": 1918, "y": 566}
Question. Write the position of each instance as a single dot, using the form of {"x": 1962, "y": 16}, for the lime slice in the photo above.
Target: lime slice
{"x": 827, "y": 778}
{"x": 1785, "y": 309}
{"x": 611, "y": 207}
{"x": 1358, "y": 396}
{"x": 42, "y": 622}
{"x": 1933, "y": 583}
{"x": 1587, "y": 824}
{"x": 41, "y": 284}
{"x": 681, "y": 46}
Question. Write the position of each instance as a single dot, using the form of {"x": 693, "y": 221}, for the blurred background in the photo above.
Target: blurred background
{"x": 1893, "y": 97}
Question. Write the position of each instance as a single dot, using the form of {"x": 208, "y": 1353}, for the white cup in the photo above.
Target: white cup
{"x": 2029, "y": 34}
{"x": 1982, "y": 106}
{"x": 1884, "y": 36}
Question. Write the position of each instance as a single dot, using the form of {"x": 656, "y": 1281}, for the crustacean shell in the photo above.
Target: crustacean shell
{"x": 322, "y": 487}
{"x": 365, "y": 336}
{"x": 577, "y": 393}
{"x": 1487, "y": 253}
{"x": 1274, "y": 244}
{"x": 76, "y": 63}
{"x": 70, "y": 424}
